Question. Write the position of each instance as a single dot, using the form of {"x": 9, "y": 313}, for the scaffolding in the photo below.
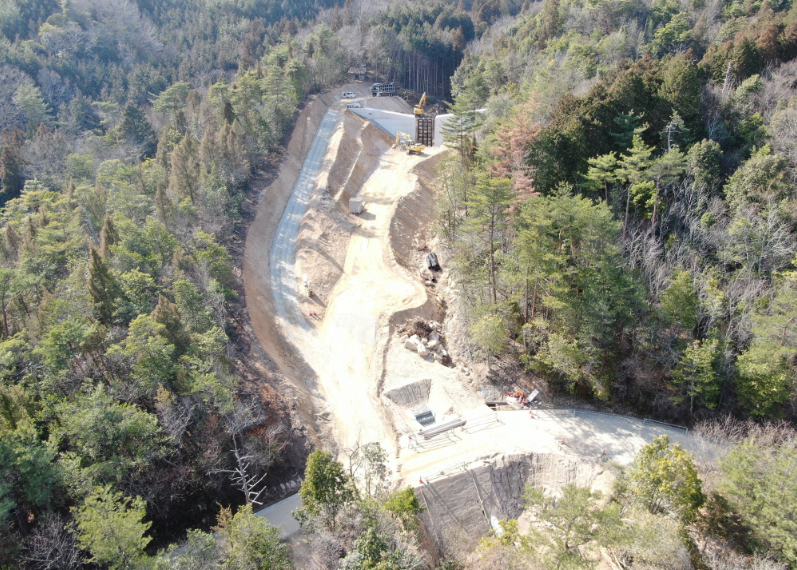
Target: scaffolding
{"x": 424, "y": 130}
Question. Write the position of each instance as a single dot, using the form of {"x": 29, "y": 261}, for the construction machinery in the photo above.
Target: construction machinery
{"x": 419, "y": 108}
{"x": 406, "y": 142}
{"x": 383, "y": 90}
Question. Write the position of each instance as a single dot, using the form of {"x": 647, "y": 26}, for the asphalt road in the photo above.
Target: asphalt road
{"x": 279, "y": 514}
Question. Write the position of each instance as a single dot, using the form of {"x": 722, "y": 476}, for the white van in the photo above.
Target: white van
{"x": 349, "y": 95}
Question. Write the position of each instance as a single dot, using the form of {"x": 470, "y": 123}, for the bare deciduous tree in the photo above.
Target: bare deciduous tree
{"x": 53, "y": 546}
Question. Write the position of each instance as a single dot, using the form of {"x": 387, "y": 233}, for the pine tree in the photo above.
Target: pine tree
{"x": 695, "y": 375}
{"x": 136, "y": 129}
{"x": 185, "y": 169}
{"x": 666, "y": 170}
{"x": 550, "y": 21}
{"x": 168, "y": 314}
{"x": 163, "y": 205}
{"x": 11, "y": 162}
{"x": 102, "y": 288}
{"x": 108, "y": 236}
{"x": 603, "y": 172}
{"x": 488, "y": 216}
{"x": 110, "y": 527}
{"x": 633, "y": 167}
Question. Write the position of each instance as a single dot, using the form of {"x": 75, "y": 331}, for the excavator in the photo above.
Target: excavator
{"x": 421, "y": 104}
{"x": 405, "y": 141}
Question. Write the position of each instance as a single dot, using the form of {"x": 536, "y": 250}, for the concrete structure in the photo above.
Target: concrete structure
{"x": 388, "y": 121}
{"x": 355, "y": 205}
{"x": 439, "y": 121}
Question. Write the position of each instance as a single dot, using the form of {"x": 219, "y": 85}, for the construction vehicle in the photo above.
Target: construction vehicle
{"x": 383, "y": 90}
{"x": 405, "y": 142}
{"x": 419, "y": 108}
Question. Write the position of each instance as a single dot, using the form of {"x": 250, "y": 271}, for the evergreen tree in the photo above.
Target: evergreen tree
{"x": 110, "y": 527}
{"x": 602, "y": 172}
{"x": 487, "y": 210}
{"x": 108, "y": 236}
{"x": 665, "y": 170}
{"x": 136, "y": 129}
{"x": 184, "y": 179}
{"x": 325, "y": 488}
{"x": 695, "y": 375}
{"x": 663, "y": 477}
{"x": 167, "y": 314}
{"x": 633, "y": 167}
{"x": 102, "y": 287}
{"x": 11, "y": 162}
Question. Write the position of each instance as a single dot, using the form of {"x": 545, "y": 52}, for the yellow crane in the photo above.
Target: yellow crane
{"x": 405, "y": 141}
{"x": 421, "y": 104}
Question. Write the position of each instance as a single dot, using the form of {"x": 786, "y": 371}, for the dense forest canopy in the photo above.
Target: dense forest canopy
{"x": 643, "y": 252}
{"x": 622, "y": 222}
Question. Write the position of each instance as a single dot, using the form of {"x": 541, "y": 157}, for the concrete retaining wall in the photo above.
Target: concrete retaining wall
{"x": 388, "y": 121}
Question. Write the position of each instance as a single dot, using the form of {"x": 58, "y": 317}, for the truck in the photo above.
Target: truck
{"x": 383, "y": 90}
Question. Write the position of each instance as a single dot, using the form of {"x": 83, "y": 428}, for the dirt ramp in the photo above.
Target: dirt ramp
{"x": 410, "y": 395}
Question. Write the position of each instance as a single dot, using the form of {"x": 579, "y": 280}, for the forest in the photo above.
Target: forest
{"x": 623, "y": 225}
{"x": 621, "y": 221}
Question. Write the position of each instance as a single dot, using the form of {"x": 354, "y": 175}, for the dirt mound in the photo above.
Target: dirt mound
{"x": 352, "y": 155}
{"x": 417, "y": 326}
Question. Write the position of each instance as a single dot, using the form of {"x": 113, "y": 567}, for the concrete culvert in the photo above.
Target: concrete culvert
{"x": 410, "y": 395}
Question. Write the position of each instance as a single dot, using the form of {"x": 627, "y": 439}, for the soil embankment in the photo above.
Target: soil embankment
{"x": 352, "y": 156}
{"x": 259, "y": 241}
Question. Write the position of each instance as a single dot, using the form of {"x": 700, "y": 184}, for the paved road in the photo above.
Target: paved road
{"x": 279, "y": 514}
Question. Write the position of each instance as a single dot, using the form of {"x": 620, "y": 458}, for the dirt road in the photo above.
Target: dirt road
{"x": 341, "y": 349}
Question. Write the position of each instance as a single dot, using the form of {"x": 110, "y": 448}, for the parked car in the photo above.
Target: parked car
{"x": 349, "y": 95}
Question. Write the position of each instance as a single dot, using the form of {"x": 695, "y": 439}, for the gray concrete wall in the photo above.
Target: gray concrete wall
{"x": 388, "y": 121}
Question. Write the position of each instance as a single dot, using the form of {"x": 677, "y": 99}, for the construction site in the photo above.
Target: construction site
{"x": 346, "y": 284}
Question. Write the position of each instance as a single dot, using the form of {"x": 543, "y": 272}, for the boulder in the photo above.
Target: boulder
{"x": 438, "y": 358}
{"x": 411, "y": 345}
{"x": 404, "y": 339}
{"x": 432, "y": 343}
{"x": 422, "y": 350}
{"x": 434, "y": 336}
